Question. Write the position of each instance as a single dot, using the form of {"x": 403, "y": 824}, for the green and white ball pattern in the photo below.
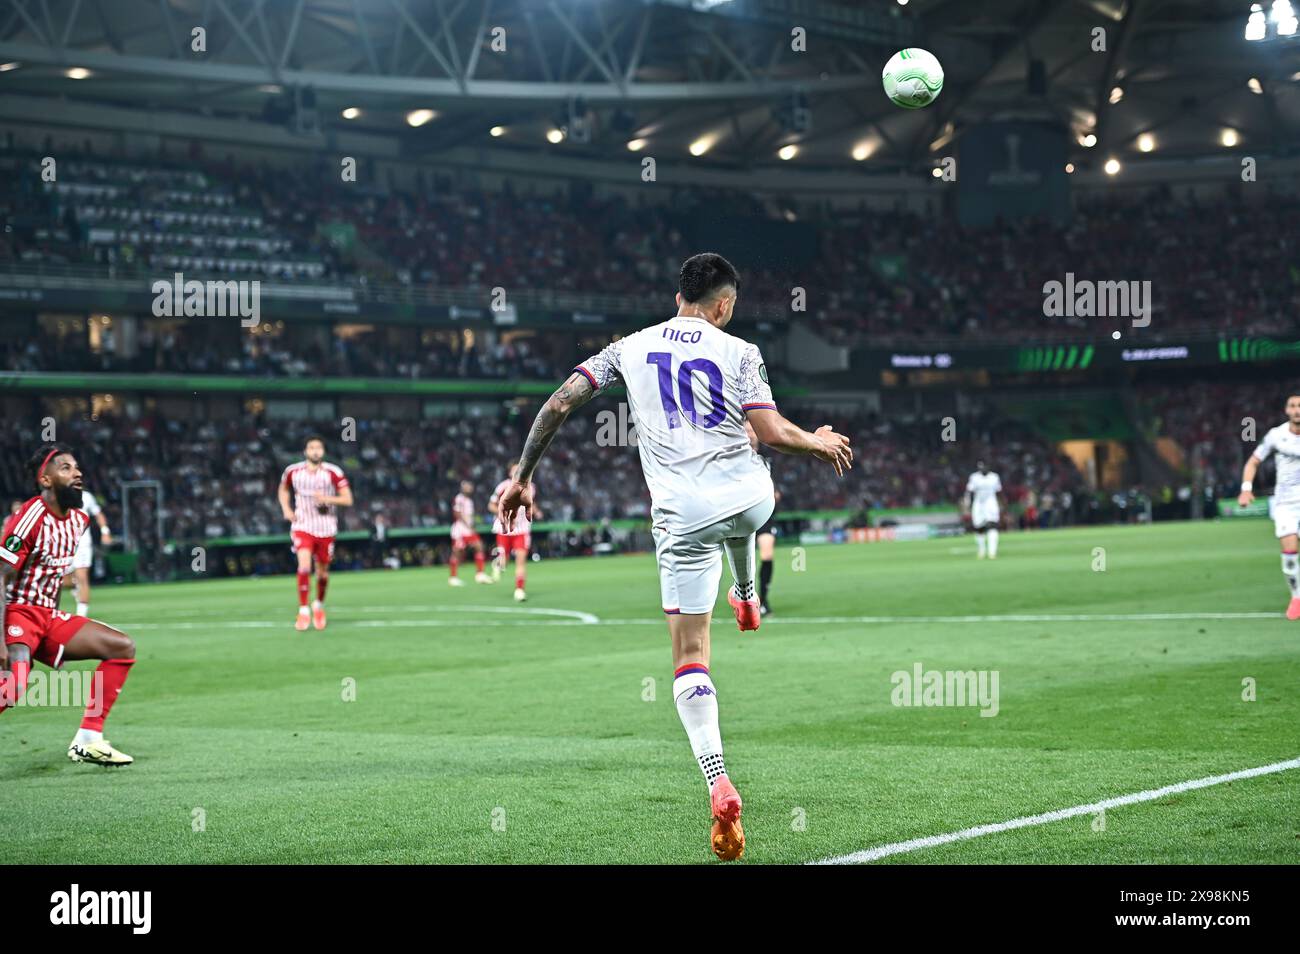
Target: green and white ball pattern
{"x": 913, "y": 78}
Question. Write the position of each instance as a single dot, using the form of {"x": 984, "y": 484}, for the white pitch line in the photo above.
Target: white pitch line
{"x": 572, "y": 617}
{"x": 1011, "y": 618}
{"x": 1150, "y": 795}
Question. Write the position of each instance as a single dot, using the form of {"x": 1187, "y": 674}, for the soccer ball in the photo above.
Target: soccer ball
{"x": 913, "y": 78}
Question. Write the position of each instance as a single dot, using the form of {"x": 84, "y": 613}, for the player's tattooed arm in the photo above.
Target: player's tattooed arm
{"x": 569, "y": 396}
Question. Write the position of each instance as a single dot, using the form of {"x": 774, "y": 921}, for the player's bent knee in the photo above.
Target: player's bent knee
{"x": 119, "y": 645}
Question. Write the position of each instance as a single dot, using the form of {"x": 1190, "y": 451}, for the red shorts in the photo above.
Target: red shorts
{"x": 510, "y": 542}
{"x": 322, "y": 548}
{"x": 464, "y": 537}
{"x": 43, "y": 631}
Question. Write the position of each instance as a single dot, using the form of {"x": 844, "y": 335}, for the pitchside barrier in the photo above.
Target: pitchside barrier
{"x": 263, "y": 554}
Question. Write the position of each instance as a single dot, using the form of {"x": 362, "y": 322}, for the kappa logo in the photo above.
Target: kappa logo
{"x": 700, "y": 691}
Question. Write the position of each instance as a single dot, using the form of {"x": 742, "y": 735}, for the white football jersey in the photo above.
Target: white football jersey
{"x": 689, "y": 385}
{"x": 985, "y": 487}
{"x": 1286, "y": 446}
{"x": 90, "y": 504}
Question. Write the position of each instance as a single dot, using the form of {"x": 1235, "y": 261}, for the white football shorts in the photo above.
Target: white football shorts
{"x": 984, "y": 513}
{"x": 1286, "y": 517}
{"x": 690, "y": 565}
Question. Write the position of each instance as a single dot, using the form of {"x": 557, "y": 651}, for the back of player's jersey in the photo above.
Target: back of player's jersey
{"x": 689, "y": 385}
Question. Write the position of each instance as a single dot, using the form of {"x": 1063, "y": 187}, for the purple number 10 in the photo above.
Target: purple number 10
{"x": 718, "y": 410}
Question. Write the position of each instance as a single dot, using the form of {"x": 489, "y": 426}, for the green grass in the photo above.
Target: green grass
{"x": 461, "y": 712}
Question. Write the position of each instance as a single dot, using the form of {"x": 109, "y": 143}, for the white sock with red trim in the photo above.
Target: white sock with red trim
{"x": 697, "y": 707}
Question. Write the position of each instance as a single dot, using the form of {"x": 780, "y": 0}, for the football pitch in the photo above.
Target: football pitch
{"x": 429, "y": 724}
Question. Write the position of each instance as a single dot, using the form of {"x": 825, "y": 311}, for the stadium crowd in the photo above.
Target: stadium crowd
{"x": 901, "y": 275}
{"x": 219, "y": 477}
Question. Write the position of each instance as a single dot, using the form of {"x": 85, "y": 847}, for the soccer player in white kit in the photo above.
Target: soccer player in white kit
{"x": 982, "y": 490}
{"x": 1284, "y": 442}
{"x": 84, "y": 558}
{"x": 690, "y": 388}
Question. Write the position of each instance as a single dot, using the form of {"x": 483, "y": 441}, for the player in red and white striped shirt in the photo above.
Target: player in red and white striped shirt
{"x": 37, "y": 546}
{"x": 516, "y": 541}
{"x": 319, "y": 489}
{"x": 463, "y": 534}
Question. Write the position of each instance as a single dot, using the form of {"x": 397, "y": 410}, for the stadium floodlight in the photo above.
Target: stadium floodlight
{"x": 936, "y": 172}
{"x": 496, "y": 132}
{"x": 702, "y": 145}
{"x": 6, "y": 67}
{"x": 1229, "y": 138}
{"x": 788, "y": 152}
{"x": 1116, "y": 94}
{"x": 1283, "y": 16}
{"x": 862, "y": 151}
{"x": 1255, "y": 86}
{"x": 1088, "y": 140}
{"x": 1112, "y": 166}
{"x": 350, "y": 113}
{"x": 1256, "y": 26}
{"x": 77, "y": 73}
{"x": 418, "y": 117}
{"x": 554, "y": 136}
{"x": 635, "y": 145}
{"x": 1069, "y": 168}
{"x": 1146, "y": 142}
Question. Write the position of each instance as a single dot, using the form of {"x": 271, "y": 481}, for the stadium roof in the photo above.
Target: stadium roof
{"x": 715, "y": 75}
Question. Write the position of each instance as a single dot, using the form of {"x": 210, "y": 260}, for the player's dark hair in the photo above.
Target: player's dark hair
{"x": 314, "y": 437}
{"x": 44, "y": 451}
{"x": 704, "y": 275}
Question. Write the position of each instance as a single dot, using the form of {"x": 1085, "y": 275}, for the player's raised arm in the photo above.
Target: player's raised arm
{"x": 785, "y": 436}
{"x": 569, "y": 396}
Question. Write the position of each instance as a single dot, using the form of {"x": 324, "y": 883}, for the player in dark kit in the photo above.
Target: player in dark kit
{"x": 36, "y": 549}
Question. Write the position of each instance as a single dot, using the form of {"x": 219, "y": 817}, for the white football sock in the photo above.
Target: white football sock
{"x": 697, "y": 706}
{"x": 979, "y": 541}
{"x": 1291, "y": 570}
{"x": 86, "y": 736}
{"x": 83, "y": 609}
{"x": 993, "y": 543}
{"x": 741, "y": 559}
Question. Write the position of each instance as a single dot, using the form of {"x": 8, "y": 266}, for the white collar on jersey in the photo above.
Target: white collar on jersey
{"x": 690, "y": 318}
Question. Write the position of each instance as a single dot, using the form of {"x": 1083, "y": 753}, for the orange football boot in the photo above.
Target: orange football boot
{"x": 727, "y": 838}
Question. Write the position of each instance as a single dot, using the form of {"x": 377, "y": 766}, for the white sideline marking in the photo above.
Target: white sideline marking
{"x": 569, "y": 617}
{"x": 930, "y": 841}
{"x": 1009, "y": 618}
{"x": 566, "y": 618}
